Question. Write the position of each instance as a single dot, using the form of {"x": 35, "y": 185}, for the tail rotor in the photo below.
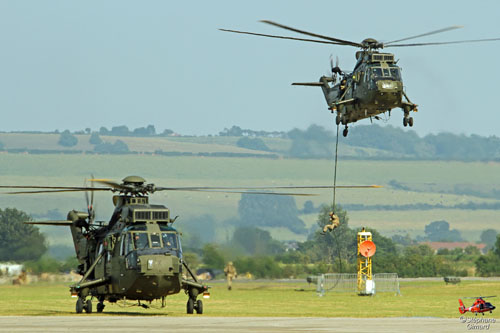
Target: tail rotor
{"x": 90, "y": 202}
{"x": 335, "y": 68}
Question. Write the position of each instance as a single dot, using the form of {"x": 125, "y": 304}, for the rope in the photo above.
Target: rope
{"x": 333, "y": 207}
{"x": 335, "y": 170}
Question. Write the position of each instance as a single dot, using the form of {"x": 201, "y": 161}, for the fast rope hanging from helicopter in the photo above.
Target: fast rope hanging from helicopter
{"x": 334, "y": 219}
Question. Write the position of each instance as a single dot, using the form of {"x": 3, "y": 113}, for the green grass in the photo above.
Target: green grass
{"x": 60, "y": 169}
{"x": 264, "y": 299}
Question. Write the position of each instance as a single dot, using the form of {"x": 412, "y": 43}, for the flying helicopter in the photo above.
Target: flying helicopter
{"x": 137, "y": 254}
{"x": 374, "y": 86}
{"x": 479, "y": 306}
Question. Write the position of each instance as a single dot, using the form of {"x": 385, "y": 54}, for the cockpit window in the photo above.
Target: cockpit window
{"x": 376, "y": 72}
{"x": 396, "y": 74}
{"x": 155, "y": 240}
{"x": 386, "y": 72}
{"x": 141, "y": 240}
{"x": 169, "y": 240}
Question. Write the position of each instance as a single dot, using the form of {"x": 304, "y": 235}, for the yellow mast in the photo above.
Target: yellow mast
{"x": 366, "y": 249}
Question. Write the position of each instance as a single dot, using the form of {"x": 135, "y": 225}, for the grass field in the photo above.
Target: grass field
{"x": 63, "y": 169}
{"x": 265, "y": 299}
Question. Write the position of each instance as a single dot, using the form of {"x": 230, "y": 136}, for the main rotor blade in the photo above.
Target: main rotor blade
{"x": 444, "y": 43}
{"x": 59, "y": 191}
{"x": 247, "y": 192}
{"x": 453, "y": 27}
{"x": 76, "y": 188}
{"x": 197, "y": 188}
{"x": 281, "y": 37}
{"x": 110, "y": 183}
{"x": 337, "y": 40}
{"x": 57, "y": 223}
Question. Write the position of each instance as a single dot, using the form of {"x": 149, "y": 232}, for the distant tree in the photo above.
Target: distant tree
{"x": 252, "y": 143}
{"x": 103, "y": 131}
{"x": 2, "y": 146}
{"x": 191, "y": 259}
{"x": 270, "y": 211}
{"x": 120, "y": 131}
{"x": 256, "y": 241}
{"x": 167, "y": 132}
{"x": 19, "y": 241}
{"x": 88, "y": 130}
{"x": 145, "y": 131}
{"x": 403, "y": 240}
{"x": 212, "y": 257}
{"x": 201, "y": 227}
{"x": 233, "y": 131}
{"x": 95, "y": 139}
{"x": 488, "y": 237}
{"x": 67, "y": 139}
{"x": 472, "y": 250}
{"x": 489, "y": 264}
{"x": 119, "y": 147}
{"x": 308, "y": 207}
{"x": 439, "y": 231}
{"x": 337, "y": 247}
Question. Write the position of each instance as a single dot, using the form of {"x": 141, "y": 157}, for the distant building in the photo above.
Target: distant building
{"x": 454, "y": 245}
{"x": 291, "y": 246}
{"x": 10, "y": 269}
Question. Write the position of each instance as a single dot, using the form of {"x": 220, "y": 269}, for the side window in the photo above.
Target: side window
{"x": 122, "y": 245}
{"x": 129, "y": 246}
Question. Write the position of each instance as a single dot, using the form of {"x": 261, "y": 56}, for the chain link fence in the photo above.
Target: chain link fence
{"x": 348, "y": 282}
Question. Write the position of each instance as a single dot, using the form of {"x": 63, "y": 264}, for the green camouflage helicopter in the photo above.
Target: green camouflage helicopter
{"x": 373, "y": 87}
{"x": 137, "y": 255}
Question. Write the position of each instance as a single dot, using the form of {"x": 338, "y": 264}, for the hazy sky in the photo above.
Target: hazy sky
{"x": 77, "y": 64}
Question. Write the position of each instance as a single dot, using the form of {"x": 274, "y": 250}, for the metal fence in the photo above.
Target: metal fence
{"x": 348, "y": 282}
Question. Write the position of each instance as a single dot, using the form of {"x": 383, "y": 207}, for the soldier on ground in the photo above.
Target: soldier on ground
{"x": 230, "y": 272}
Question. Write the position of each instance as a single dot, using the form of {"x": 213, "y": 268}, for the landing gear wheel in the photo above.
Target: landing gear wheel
{"x": 190, "y": 306}
{"x": 344, "y": 133}
{"x": 337, "y": 120}
{"x": 79, "y": 305}
{"x": 88, "y": 306}
{"x": 410, "y": 121}
{"x": 199, "y": 307}
{"x": 100, "y": 307}
{"x": 405, "y": 121}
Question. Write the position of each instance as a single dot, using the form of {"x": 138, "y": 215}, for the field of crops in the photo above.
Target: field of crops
{"x": 61, "y": 169}
{"x": 264, "y": 299}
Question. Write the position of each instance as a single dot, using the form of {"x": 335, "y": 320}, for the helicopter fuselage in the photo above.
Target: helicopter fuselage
{"x": 137, "y": 256}
{"x": 374, "y": 87}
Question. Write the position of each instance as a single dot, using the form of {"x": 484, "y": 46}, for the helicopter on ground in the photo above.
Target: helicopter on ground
{"x": 137, "y": 254}
{"x": 373, "y": 87}
{"x": 479, "y": 306}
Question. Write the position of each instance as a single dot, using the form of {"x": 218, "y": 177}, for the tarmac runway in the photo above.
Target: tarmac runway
{"x": 107, "y": 323}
